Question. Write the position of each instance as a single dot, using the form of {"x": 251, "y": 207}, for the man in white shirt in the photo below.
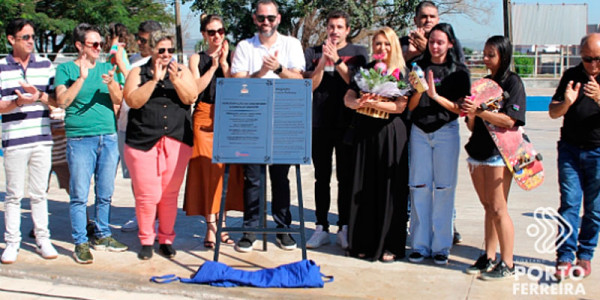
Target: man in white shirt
{"x": 268, "y": 54}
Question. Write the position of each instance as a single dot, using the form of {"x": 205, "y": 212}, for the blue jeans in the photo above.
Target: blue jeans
{"x": 97, "y": 155}
{"x": 579, "y": 176}
{"x": 432, "y": 181}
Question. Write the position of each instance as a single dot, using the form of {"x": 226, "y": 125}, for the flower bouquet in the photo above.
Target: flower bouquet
{"x": 377, "y": 81}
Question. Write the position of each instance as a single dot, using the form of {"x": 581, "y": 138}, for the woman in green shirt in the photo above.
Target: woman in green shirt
{"x": 86, "y": 89}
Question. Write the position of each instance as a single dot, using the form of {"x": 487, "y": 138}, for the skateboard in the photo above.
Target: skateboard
{"x": 524, "y": 163}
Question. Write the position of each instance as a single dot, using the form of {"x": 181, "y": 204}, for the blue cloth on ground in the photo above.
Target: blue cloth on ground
{"x": 303, "y": 273}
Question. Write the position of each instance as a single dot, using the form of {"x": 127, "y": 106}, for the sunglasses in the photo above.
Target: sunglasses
{"x": 95, "y": 45}
{"x": 261, "y": 18}
{"x": 142, "y": 40}
{"x": 220, "y": 31}
{"x": 26, "y": 37}
{"x": 589, "y": 59}
{"x": 162, "y": 50}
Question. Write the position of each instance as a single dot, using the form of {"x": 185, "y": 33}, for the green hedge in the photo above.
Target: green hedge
{"x": 523, "y": 64}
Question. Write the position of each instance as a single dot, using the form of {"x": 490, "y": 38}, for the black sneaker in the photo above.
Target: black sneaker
{"x": 90, "y": 229}
{"x": 416, "y": 257}
{"x": 457, "y": 237}
{"x": 145, "y": 253}
{"x": 482, "y": 265}
{"x": 246, "y": 243}
{"x": 500, "y": 272}
{"x": 167, "y": 250}
{"x": 285, "y": 241}
{"x": 440, "y": 259}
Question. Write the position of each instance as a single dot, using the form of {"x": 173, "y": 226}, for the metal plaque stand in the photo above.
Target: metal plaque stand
{"x": 262, "y": 212}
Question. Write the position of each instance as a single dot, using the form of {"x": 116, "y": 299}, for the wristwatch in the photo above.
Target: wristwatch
{"x": 278, "y": 70}
{"x": 339, "y": 61}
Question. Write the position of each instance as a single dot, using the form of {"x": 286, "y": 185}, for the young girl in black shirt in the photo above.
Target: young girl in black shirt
{"x": 435, "y": 146}
{"x": 490, "y": 176}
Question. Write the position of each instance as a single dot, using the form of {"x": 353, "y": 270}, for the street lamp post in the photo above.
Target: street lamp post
{"x": 178, "y": 32}
{"x": 507, "y": 19}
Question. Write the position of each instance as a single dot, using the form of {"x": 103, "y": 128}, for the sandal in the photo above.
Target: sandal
{"x": 209, "y": 244}
{"x": 387, "y": 257}
{"x": 226, "y": 239}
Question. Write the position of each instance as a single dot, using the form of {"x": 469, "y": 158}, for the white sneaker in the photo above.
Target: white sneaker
{"x": 130, "y": 225}
{"x": 46, "y": 250}
{"x": 10, "y": 253}
{"x": 342, "y": 237}
{"x": 318, "y": 238}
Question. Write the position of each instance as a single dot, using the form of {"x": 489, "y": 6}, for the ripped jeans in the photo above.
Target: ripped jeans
{"x": 432, "y": 181}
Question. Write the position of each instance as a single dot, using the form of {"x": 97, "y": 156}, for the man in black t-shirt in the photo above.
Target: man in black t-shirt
{"x": 415, "y": 43}
{"x": 577, "y": 99}
{"x": 331, "y": 67}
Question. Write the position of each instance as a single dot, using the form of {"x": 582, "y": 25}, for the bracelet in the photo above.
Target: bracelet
{"x": 339, "y": 61}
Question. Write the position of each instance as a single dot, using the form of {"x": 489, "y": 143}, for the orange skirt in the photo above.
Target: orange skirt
{"x": 204, "y": 183}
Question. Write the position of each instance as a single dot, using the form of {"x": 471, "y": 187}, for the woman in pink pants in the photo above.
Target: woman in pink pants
{"x": 158, "y": 141}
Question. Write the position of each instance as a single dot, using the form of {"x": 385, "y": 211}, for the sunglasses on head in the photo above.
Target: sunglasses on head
{"x": 95, "y": 45}
{"x": 162, "y": 50}
{"x": 589, "y": 59}
{"x": 26, "y": 37}
{"x": 220, "y": 31}
{"x": 261, "y": 18}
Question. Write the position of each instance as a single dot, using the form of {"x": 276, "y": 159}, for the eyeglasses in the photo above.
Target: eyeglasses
{"x": 589, "y": 59}
{"x": 261, "y": 18}
{"x": 220, "y": 31}
{"x": 95, "y": 45}
{"x": 26, "y": 37}
{"x": 142, "y": 40}
{"x": 162, "y": 50}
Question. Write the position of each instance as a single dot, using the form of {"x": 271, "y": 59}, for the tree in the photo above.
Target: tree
{"x": 467, "y": 51}
{"x": 305, "y": 19}
{"x": 7, "y": 8}
{"x": 55, "y": 19}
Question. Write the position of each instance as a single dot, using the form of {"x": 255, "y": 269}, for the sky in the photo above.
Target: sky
{"x": 471, "y": 34}
{"x": 474, "y": 35}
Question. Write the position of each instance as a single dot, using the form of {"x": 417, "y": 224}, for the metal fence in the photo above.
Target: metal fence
{"x": 59, "y": 58}
{"x": 542, "y": 65}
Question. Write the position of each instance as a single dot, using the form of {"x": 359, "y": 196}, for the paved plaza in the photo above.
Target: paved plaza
{"x": 123, "y": 276}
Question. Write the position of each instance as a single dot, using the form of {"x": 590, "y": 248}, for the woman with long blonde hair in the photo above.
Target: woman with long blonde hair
{"x": 377, "y": 225}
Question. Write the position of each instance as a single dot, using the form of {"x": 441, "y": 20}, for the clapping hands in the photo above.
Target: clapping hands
{"x": 592, "y": 89}
{"x": 175, "y": 72}
{"x": 84, "y": 67}
{"x": 270, "y": 62}
{"x": 32, "y": 91}
{"x": 110, "y": 77}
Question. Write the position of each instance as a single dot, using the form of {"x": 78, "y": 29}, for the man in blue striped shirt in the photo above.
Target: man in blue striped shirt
{"x": 25, "y": 80}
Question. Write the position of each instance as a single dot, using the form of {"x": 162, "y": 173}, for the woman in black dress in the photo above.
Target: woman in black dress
{"x": 377, "y": 226}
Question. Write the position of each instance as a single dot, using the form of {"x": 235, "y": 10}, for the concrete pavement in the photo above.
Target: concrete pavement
{"x": 122, "y": 275}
